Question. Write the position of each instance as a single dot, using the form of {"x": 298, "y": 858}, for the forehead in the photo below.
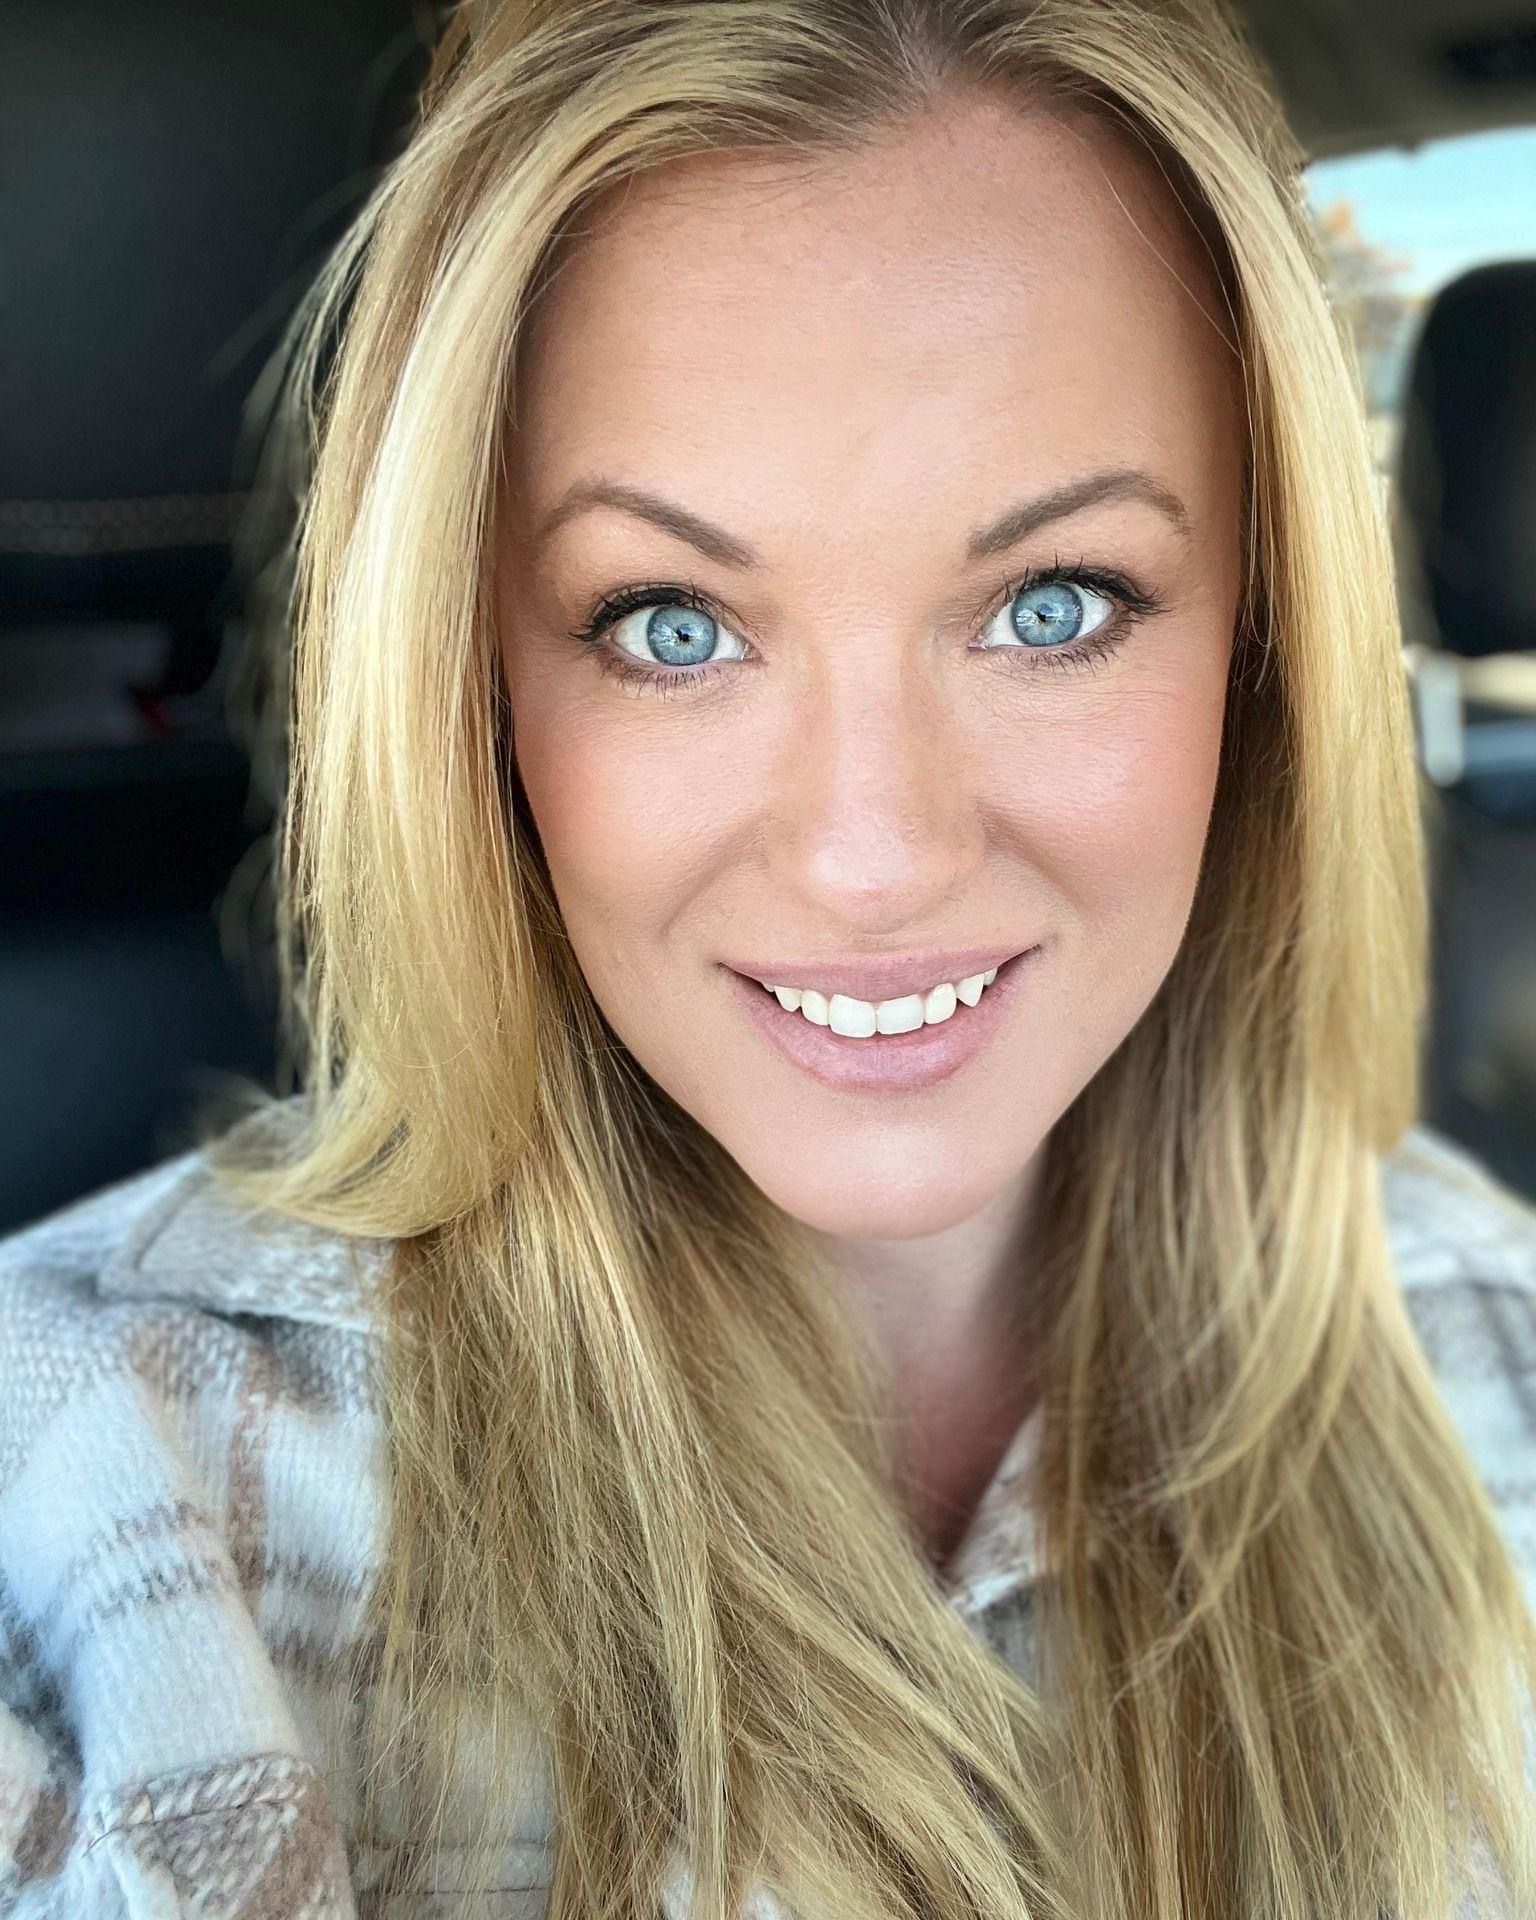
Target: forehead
{"x": 990, "y": 285}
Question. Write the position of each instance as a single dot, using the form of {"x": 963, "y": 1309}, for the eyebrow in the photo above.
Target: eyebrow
{"x": 1022, "y": 518}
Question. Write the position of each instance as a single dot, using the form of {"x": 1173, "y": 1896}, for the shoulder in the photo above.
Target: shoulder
{"x": 1450, "y": 1219}
{"x": 191, "y": 1505}
{"x": 163, "y": 1290}
{"x": 1464, "y": 1248}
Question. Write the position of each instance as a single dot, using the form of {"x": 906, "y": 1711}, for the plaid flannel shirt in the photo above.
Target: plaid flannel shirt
{"x": 192, "y": 1498}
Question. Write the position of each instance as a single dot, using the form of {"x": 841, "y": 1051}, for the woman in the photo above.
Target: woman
{"x": 852, "y": 901}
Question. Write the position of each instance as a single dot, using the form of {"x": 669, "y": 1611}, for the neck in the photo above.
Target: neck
{"x": 948, "y": 1312}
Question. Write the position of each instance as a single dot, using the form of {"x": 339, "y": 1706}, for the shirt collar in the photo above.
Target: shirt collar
{"x": 195, "y": 1243}
{"x": 999, "y": 1552}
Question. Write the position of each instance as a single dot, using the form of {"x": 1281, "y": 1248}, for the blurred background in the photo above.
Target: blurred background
{"x": 173, "y": 174}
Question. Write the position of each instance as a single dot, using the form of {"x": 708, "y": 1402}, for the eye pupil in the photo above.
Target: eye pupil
{"x": 1047, "y": 614}
{"x": 672, "y": 630}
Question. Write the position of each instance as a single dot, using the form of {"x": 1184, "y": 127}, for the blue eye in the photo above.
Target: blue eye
{"x": 1050, "y": 613}
{"x": 674, "y": 633}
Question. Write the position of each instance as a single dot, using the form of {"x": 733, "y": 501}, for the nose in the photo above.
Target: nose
{"x": 880, "y": 822}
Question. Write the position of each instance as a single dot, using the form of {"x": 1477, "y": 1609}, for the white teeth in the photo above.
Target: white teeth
{"x": 859, "y": 1019}
{"x": 939, "y": 1005}
{"x": 855, "y": 1018}
{"x": 905, "y": 1015}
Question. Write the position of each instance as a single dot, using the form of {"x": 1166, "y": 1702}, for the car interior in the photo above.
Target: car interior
{"x": 174, "y": 178}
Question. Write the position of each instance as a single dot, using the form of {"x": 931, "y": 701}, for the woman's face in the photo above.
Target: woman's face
{"x": 932, "y": 457}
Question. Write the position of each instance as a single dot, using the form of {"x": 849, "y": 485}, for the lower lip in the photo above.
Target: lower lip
{"x": 885, "y": 1062}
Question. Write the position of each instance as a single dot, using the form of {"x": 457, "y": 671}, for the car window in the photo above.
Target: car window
{"x": 1397, "y": 224}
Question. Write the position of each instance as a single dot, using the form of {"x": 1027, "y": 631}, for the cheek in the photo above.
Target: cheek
{"x": 1111, "y": 805}
{"x": 627, "y": 805}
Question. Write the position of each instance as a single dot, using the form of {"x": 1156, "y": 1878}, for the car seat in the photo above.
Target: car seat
{"x": 1467, "y": 504}
{"x": 174, "y": 176}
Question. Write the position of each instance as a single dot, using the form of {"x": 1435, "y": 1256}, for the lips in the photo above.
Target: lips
{"x": 877, "y": 977}
{"x": 886, "y": 1063}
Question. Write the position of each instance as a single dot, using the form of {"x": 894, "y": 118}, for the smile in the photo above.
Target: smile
{"x": 848, "y": 1049}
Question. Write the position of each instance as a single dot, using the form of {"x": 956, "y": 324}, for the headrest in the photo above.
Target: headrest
{"x": 1468, "y": 463}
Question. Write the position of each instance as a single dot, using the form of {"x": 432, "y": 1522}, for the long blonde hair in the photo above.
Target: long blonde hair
{"x": 641, "y": 1494}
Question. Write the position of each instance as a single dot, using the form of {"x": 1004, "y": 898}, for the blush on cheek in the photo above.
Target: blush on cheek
{"x": 1148, "y": 866}
{"x": 1117, "y": 822}
{"x": 626, "y": 831}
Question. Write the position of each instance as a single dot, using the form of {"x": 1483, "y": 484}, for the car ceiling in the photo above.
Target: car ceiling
{"x": 1371, "y": 73}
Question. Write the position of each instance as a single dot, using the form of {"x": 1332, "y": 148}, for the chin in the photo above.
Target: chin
{"x": 850, "y": 1202}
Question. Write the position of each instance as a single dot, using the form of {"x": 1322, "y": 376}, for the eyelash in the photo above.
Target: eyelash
{"x": 1135, "y": 603}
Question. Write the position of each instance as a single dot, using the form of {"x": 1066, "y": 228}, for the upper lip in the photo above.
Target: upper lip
{"x": 889, "y": 977}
